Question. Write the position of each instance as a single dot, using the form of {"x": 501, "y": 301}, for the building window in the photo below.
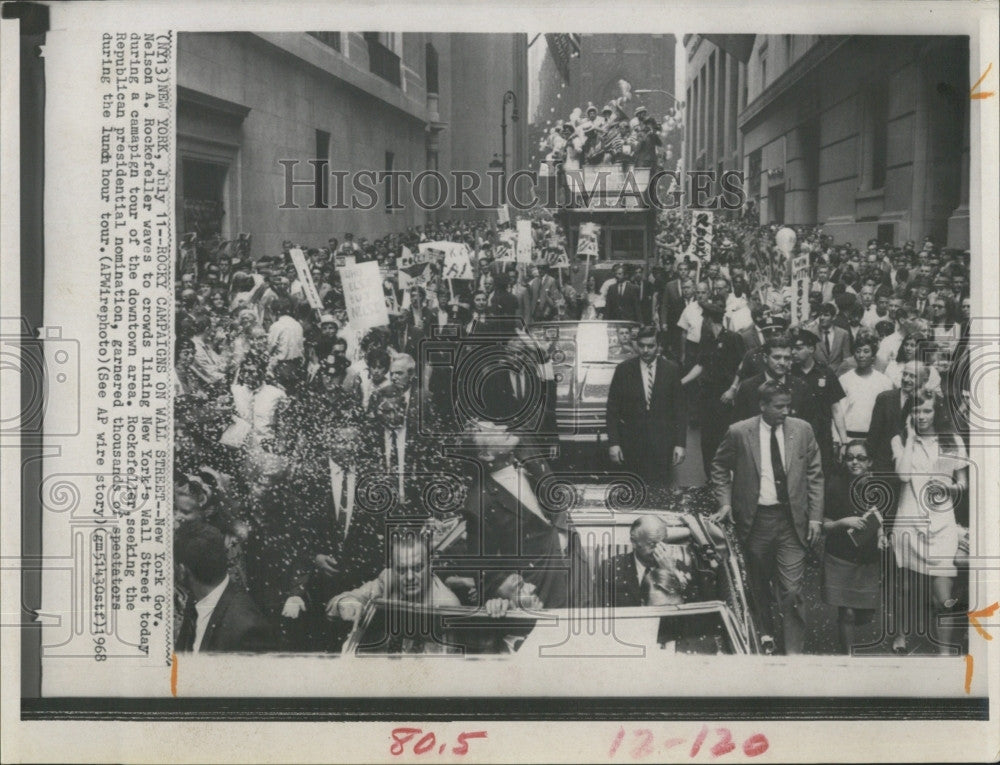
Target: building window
{"x": 382, "y": 61}
{"x": 788, "y": 50}
{"x": 389, "y": 201}
{"x": 329, "y": 39}
{"x": 753, "y": 174}
{"x": 322, "y": 190}
{"x": 432, "y": 69}
{"x": 203, "y": 197}
{"x": 879, "y": 136}
{"x": 626, "y": 243}
{"x": 763, "y": 71}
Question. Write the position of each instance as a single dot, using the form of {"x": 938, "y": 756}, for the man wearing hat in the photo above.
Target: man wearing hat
{"x": 719, "y": 355}
{"x": 823, "y": 388}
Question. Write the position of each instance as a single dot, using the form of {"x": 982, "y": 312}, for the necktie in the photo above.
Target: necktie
{"x": 342, "y": 511}
{"x": 648, "y": 383}
{"x": 646, "y": 586}
{"x": 185, "y": 638}
{"x": 826, "y": 336}
{"x": 905, "y": 410}
{"x": 621, "y": 289}
{"x": 778, "y": 468}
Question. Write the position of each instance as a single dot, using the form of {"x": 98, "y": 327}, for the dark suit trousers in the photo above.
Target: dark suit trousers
{"x": 715, "y": 418}
{"x": 776, "y": 566}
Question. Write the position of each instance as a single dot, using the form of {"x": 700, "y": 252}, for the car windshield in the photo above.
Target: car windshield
{"x": 586, "y": 341}
{"x": 392, "y": 628}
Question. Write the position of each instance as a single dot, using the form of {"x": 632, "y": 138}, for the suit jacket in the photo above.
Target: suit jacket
{"x": 502, "y": 304}
{"x": 623, "y": 306}
{"x": 236, "y": 624}
{"x": 617, "y": 584}
{"x": 646, "y": 291}
{"x": 670, "y": 308}
{"x": 540, "y": 301}
{"x": 633, "y": 426}
{"x": 840, "y": 347}
{"x": 498, "y": 524}
{"x": 736, "y": 474}
{"x": 886, "y": 423}
{"x": 750, "y": 338}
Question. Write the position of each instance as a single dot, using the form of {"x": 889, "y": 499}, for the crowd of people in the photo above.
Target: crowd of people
{"x": 605, "y": 136}
{"x": 298, "y": 435}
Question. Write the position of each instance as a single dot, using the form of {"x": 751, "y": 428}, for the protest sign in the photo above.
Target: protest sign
{"x": 457, "y": 264}
{"x": 363, "y": 296}
{"x": 800, "y": 290}
{"x": 503, "y": 214}
{"x": 586, "y": 243}
{"x": 524, "y": 241}
{"x": 701, "y": 234}
{"x": 305, "y": 278}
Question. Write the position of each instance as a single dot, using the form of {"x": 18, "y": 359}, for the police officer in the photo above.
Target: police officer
{"x": 719, "y": 354}
{"x": 778, "y": 360}
{"x": 824, "y": 391}
{"x": 755, "y": 362}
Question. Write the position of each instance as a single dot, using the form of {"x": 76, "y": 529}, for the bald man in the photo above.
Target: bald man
{"x": 629, "y": 578}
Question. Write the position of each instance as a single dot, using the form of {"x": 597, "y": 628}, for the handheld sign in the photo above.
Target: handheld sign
{"x": 363, "y": 296}
{"x": 457, "y": 264}
{"x": 305, "y": 277}
{"x": 524, "y": 241}
{"x": 586, "y": 243}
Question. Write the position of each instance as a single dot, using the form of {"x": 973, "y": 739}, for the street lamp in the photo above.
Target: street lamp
{"x": 508, "y": 98}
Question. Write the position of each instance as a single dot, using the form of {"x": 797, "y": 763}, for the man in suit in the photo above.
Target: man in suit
{"x": 502, "y": 304}
{"x": 834, "y": 342}
{"x": 767, "y": 474}
{"x": 622, "y": 301}
{"x": 668, "y": 308}
{"x": 626, "y": 579}
{"x": 889, "y": 414}
{"x": 399, "y": 454}
{"x": 507, "y": 518}
{"x": 540, "y": 297}
{"x": 646, "y": 414}
{"x": 777, "y": 355}
{"x": 219, "y": 615}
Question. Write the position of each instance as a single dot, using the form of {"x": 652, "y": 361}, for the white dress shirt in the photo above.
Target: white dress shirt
{"x": 204, "y": 608}
{"x": 691, "y": 321}
{"x": 644, "y": 370}
{"x": 337, "y": 477}
{"x": 285, "y": 339}
{"x": 768, "y": 490}
{"x": 400, "y": 462}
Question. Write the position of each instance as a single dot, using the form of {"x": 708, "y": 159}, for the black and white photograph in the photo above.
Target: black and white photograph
{"x": 501, "y": 383}
{"x": 733, "y": 420}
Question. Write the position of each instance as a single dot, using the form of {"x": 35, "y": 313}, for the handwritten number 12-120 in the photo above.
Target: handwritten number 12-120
{"x": 645, "y": 743}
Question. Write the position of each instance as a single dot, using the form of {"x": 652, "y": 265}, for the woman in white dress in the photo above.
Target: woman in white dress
{"x": 932, "y": 466}
{"x": 594, "y": 306}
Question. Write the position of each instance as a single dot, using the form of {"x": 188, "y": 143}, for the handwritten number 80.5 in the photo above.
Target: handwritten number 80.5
{"x": 402, "y": 736}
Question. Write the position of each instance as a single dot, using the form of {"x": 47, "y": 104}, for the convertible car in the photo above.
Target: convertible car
{"x": 715, "y": 615}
